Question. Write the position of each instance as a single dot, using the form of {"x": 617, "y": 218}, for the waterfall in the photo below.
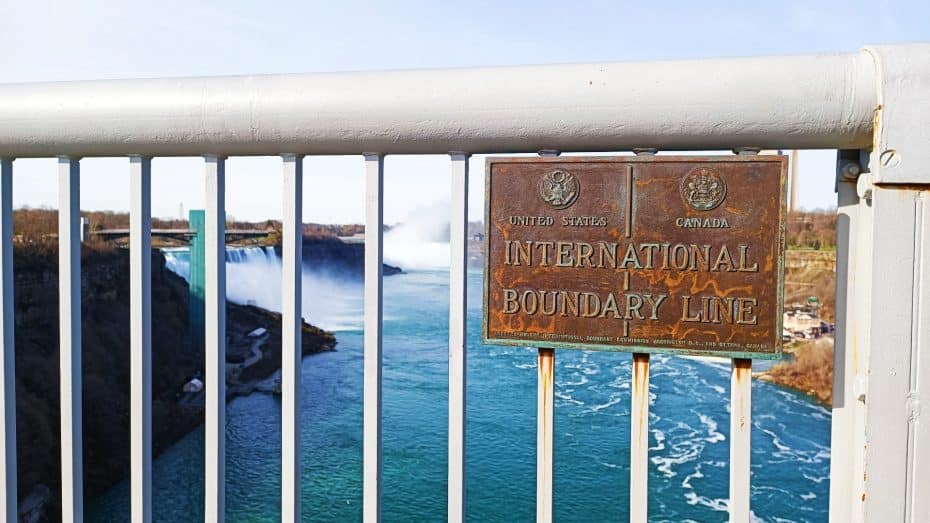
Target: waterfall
{"x": 253, "y": 276}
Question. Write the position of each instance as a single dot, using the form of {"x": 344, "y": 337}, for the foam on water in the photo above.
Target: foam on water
{"x": 697, "y": 474}
{"x": 711, "y": 425}
{"x": 659, "y": 436}
{"x": 719, "y": 505}
{"x": 614, "y": 399}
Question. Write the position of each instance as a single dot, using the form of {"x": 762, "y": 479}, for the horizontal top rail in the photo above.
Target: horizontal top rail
{"x": 817, "y": 101}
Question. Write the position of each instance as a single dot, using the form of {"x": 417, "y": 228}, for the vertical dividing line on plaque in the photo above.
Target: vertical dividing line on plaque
{"x": 374, "y": 234}
{"x": 291, "y": 347}
{"x": 740, "y": 424}
{"x": 215, "y": 339}
{"x": 140, "y": 338}
{"x": 458, "y": 341}
{"x": 69, "y": 309}
{"x": 8, "y": 496}
{"x": 639, "y": 407}
{"x": 545, "y": 428}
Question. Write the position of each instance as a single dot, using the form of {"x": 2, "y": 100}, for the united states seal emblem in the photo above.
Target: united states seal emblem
{"x": 559, "y": 189}
{"x": 703, "y": 189}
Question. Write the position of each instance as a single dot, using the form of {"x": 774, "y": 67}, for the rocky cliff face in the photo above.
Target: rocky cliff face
{"x": 105, "y": 307}
{"x": 332, "y": 256}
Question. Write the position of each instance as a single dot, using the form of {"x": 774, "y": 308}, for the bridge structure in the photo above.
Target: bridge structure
{"x": 195, "y": 239}
{"x": 871, "y": 105}
{"x": 180, "y": 236}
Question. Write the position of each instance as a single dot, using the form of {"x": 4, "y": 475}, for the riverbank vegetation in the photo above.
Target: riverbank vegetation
{"x": 808, "y": 368}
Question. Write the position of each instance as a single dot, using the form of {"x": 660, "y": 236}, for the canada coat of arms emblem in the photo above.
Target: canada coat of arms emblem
{"x": 703, "y": 189}
{"x": 559, "y": 189}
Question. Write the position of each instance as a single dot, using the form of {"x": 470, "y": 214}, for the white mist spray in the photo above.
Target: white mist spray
{"x": 421, "y": 241}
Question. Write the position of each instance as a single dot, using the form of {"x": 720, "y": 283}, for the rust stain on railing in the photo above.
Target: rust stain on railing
{"x": 743, "y": 377}
{"x": 640, "y": 395}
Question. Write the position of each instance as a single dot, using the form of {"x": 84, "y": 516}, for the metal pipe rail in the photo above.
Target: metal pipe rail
{"x": 824, "y": 101}
{"x": 777, "y": 102}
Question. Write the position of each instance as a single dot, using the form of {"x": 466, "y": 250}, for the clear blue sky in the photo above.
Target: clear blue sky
{"x": 43, "y": 40}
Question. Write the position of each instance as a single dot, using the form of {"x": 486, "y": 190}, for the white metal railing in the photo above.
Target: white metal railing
{"x": 140, "y": 344}
{"x": 825, "y": 101}
{"x": 8, "y": 358}
{"x": 69, "y": 312}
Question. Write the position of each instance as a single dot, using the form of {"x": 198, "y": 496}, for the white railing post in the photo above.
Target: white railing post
{"x": 215, "y": 339}
{"x": 741, "y": 423}
{"x": 639, "y": 397}
{"x": 69, "y": 289}
{"x": 740, "y": 447}
{"x": 545, "y": 417}
{"x": 8, "y": 358}
{"x": 374, "y": 232}
{"x": 545, "y": 427}
{"x": 639, "y": 439}
{"x": 850, "y": 369}
{"x": 291, "y": 354}
{"x": 140, "y": 356}
{"x": 458, "y": 334}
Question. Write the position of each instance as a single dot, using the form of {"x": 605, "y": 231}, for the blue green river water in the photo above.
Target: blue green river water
{"x": 688, "y": 423}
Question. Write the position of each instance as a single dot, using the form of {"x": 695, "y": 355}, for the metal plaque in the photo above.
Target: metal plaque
{"x": 679, "y": 255}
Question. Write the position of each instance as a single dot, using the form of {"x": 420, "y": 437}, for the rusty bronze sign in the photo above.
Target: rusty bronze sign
{"x": 679, "y": 255}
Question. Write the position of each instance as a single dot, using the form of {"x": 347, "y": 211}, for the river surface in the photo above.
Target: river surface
{"x": 689, "y": 422}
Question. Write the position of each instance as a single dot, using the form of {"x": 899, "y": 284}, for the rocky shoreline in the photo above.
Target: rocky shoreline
{"x": 807, "y": 368}
{"x": 253, "y": 360}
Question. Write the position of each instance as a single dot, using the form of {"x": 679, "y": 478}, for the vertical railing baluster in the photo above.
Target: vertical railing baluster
{"x": 639, "y": 440}
{"x": 69, "y": 308}
{"x": 545, "y": 427}
{"x": 291, "y": 354}
{"x": 458, "y": 334}
{"x": 545, "y": 417}
{"x": 215, "y": 339}
{"x": 374, "y": 232}
{"x": 8, "y": 358}
{"x": 639, "y": 413}
{"x": 140, "y": 327}
{"x": 740, "y": 424}
{"x": 740, "y": 449}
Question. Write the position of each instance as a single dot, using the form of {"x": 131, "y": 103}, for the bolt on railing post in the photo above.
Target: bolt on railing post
{"x": 215, "y": 338}
{"x": 140, "y": 345}
{"x": 8, "y": 505}
{"x": 458, "y": 334}
{"x": 374, "y": 234}
{"x": 291, "y": 347}
{"x": 69, "y": 308}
